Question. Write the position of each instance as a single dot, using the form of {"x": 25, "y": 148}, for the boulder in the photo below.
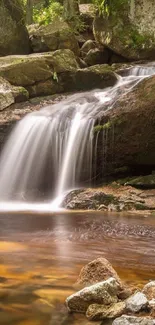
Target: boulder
{"x": 54, "y": 36}
{"x": 10, "y": 94}
{"x": 98, "y": 76}
{"x": 130, "y": 127}
{"x": 137, "y": 302}
{"x": 99, "y": 312}
{"x": 96, "y": 56}
{"x": 117, "y": 32}
{"x": 13, "y": 33}
{"x": 97, "y": 271}
{"x": 101, "y": 293}
{"x": 149, "y": 290}
{"x": 132, "y": 320}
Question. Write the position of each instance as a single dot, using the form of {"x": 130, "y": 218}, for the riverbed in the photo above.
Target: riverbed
{"x": 41, "y": 256}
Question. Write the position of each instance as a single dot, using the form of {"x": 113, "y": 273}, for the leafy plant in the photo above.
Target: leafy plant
{"x": 47, "y": 15}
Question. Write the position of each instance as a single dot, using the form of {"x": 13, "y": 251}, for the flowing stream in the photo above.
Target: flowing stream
{"x": 52, "y": 149}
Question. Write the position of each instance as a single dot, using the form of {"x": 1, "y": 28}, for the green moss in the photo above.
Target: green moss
{"x": 105, "y": 126}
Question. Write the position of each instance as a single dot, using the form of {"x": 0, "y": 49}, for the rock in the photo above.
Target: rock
{"x": 97, "y": 271}
{"x": 101, "y": 293}
{"x": 87, "y": 13}
{"x": 146, "y": 182}
{"x": 13, "y": 34}
{"x": 10, "y": 94}
{"x": 98, "y": 76}
{"x": 96, "y": 56}
{"x": 137, "y": 302}
{"x": 44, "y": 88}
{"x": 149, "y": 290}
{"x": 132, "y": 149}
{"x": 131, "y": 320}
{"x": 133, "y": 44}
{"x": 87, "y": 46}
{"x": 98, "y": 312}
{"x": 54, "y": 36}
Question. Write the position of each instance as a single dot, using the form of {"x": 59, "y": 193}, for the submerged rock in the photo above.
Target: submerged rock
{"x": 13, "y": 33}
{"x": 98, "y": 312}
{"x": 101, "y": 293}
{"x": 96, "y": 271}
{"x": 131, "y": 320}
{"x": 137, "y": 302}
{"x": 54, "y": 36}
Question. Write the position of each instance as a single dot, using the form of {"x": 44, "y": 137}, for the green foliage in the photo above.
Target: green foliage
{"x": 47, "y": 15}
{"x": 77, "y": 24}
{"x": 110, "y": 7}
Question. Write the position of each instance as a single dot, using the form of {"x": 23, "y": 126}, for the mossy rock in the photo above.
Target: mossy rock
{"x": 147, "y": 182}
{"x": 13, "y": 33}
{"x": 10, "y": 94}
{"x": 30, "y": 69}
{"x": 130, "y": 131}
{"x": 120, "y": 35}
{"x": 98, "y": 76}
{"x": 56, "y": 35}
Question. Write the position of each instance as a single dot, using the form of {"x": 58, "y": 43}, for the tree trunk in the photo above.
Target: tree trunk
{"x": 29, "y": 12}
{"x": 71, "y": 9}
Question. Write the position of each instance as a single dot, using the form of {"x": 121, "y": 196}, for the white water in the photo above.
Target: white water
{"x": 51, "y": 150}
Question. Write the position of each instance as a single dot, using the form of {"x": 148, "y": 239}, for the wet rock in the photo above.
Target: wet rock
{"x": 130, "y": 149}
{"x": 101, "y": 293}
{"x": 13, "y": 33}
{"x": 96, "y": 271}
{"x": 98, "y": 312}
{"x": 54, "y": 36}
{"x": 149, "y": 290}
{"x": 131, "y": 320}
{"x": 96, "y": 56}
{"x": 137, "y": 302}
{"x": 98, "y": 76}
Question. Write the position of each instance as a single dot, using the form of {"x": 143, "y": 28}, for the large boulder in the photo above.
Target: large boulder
{"x": 52, "y": 37}
{"x": 97, "y": 271}
{"x": 13, "y": 34}
{"x": 121, "y": 34}
{"x": 130, "y": 128}
{"x": 101, "y": 293}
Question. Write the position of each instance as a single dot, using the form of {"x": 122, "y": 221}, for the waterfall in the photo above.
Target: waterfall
{"x": 51, "y": 150}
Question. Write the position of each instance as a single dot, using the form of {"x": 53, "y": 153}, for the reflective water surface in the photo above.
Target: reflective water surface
{"x": 41, "y": 256}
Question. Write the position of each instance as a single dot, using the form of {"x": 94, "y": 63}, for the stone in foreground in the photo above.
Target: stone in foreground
{"x": 98, "y": 312}
{"x": 97, "y": 271}
{"x": 131, "y": 320}
{"x": 137, "y": 302}
{"x": 149, "y": 290}
{"x": 101, "y": 293}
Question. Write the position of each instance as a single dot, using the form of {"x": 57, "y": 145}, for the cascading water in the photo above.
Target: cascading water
{"x": 52, "y": 149}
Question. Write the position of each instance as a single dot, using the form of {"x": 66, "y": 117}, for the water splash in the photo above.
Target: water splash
{"x": 51, "y": 150}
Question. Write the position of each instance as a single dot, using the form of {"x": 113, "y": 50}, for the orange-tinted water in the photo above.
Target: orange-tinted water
{"x": 41, "y": 256}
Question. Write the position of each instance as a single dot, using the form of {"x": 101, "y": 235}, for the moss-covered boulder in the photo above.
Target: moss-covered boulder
{"x": 97, "y": 76}
{"x": 57, "y": 35}
{"x": 130, "y": 131}
{"x": 121, "y": 34}
{"x": 13, "y": 34}
{"x": 30, "y": 69}
{"x": 10, "y": 94}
